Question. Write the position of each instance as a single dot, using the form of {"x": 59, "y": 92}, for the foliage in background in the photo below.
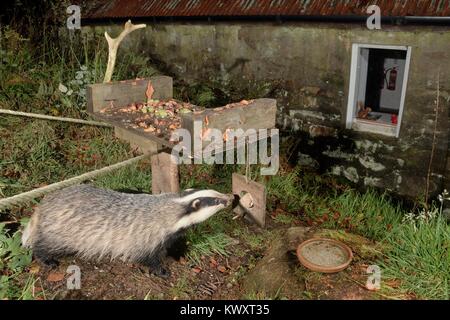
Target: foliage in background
{"x": 13, "y": 260}
{"x": 51, "y": 78}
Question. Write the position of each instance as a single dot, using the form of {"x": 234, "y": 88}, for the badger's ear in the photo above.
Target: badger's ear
{"x": 195, "y": 205}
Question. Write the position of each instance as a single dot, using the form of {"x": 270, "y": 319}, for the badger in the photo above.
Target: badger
{"x": 90, "y": 222}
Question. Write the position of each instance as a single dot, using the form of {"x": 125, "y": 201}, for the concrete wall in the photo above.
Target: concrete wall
{"x": 306, "y": 66}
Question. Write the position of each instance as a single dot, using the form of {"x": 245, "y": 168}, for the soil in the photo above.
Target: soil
{"x": 118, "y": 280}
{"x": 216, "y": 277}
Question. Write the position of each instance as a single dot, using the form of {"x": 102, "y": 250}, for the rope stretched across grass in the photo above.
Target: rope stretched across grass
{"x": 26, "y": 197}
{"x": 46, "y": 117}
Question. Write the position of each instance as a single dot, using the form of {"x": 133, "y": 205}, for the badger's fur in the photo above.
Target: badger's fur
{"x": 96, "y": 223}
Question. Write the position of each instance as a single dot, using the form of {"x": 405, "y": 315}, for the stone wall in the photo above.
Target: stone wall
{"x": 306, "y": 67}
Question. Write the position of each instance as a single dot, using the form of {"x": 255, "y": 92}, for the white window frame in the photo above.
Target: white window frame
{"x": 369, "y": 126}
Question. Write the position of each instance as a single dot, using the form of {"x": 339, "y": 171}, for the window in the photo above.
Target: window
{"x": 378, "y": 79}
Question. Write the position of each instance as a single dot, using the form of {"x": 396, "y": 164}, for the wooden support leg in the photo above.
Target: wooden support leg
{"x": 165, "y": 176}
{"x": 257, "y": 191}
{"x": 136, "y": 141}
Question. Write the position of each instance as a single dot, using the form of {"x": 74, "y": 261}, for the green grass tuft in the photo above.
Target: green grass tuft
{"x": 204, "y": 245}
{"x": 420, "y": 258}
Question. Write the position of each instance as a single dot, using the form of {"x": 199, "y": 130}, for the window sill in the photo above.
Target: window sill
{"x": 385, "y": 129}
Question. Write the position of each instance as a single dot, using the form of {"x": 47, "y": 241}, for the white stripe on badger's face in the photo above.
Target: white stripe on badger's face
{"x": 200, "y": 194}
{"x": 200, "y": 206}
{"x": 197, "y": 216}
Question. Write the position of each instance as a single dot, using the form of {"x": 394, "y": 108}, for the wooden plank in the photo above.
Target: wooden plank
{"x": 122, "y": 93}
{"x": 165, "y": 175}
{"x": 259, "y": 114}
{"x": 136, "y": 141}
{"x": 258, "y": 192}
{"x": 135, "y": 131}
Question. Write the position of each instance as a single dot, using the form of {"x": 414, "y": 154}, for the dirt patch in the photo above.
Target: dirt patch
{"x": 118, "y": 280}
{"x": 280, "y": 275}
{"x": 244, "y": 273}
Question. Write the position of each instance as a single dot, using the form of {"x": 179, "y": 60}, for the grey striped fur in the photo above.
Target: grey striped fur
{"x": 97, "y": 223}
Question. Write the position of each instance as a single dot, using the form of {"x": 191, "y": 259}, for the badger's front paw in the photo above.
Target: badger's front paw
{"x": 160, "y": 272}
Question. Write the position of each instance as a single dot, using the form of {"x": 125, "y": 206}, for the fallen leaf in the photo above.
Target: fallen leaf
{"x": 371, "y": 287}
{"x": 62, "y": 88}
{"x": 221, "y": 269}
{"x": 150, "y": 91}
{"x": 34, "y": 268}
{"x": 277, "y": 212}
{"x": 213, "y": 263}
{"x": 197, "y": 269}
{"x": 225, "y": 135}
{"x": 55, "y": 277}
{"x": 150, "y": 129}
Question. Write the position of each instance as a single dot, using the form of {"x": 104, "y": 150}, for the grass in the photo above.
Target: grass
{"x": 134, "y": 177}
{"x": 287, "y": 219}
{"x": 415, "y": 258}
{"x": 370, "y": 214}
{"x": 420, "y": 258}
{"x": 50, "y": 77}
{"x": 206, "y": 244}
{"x": 13, "y": 260}
{"x": 181, "y": 289}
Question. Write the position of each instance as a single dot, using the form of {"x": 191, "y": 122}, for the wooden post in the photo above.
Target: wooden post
{"x": 136, "y": 141}
{"x": 165, "y": 176}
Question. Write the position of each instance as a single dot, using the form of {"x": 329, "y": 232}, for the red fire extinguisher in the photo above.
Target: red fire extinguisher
{"x": 392, "y": 78}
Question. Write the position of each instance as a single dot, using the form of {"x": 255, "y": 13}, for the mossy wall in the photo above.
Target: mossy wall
{"x": 306, "y": 67}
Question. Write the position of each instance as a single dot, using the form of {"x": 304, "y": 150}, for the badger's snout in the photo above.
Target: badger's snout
{"x": 227, "y": 200}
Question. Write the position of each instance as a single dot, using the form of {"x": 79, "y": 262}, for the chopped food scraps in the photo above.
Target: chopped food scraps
{"x": 159, "y": 117}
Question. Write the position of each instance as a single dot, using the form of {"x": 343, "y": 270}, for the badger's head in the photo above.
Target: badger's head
{"x": 199, "y": 205}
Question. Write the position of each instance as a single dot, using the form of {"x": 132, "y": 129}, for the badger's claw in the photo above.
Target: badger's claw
{"x": 51, "y": 263}
{"x": 160, "y": 272}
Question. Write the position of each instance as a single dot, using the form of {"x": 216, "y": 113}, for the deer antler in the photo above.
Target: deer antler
{"x": 113, "y": 45}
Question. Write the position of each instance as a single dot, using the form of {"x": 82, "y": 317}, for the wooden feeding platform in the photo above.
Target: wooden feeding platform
{"x": 144, "y": 113}
{"x": 148, "y": 123}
